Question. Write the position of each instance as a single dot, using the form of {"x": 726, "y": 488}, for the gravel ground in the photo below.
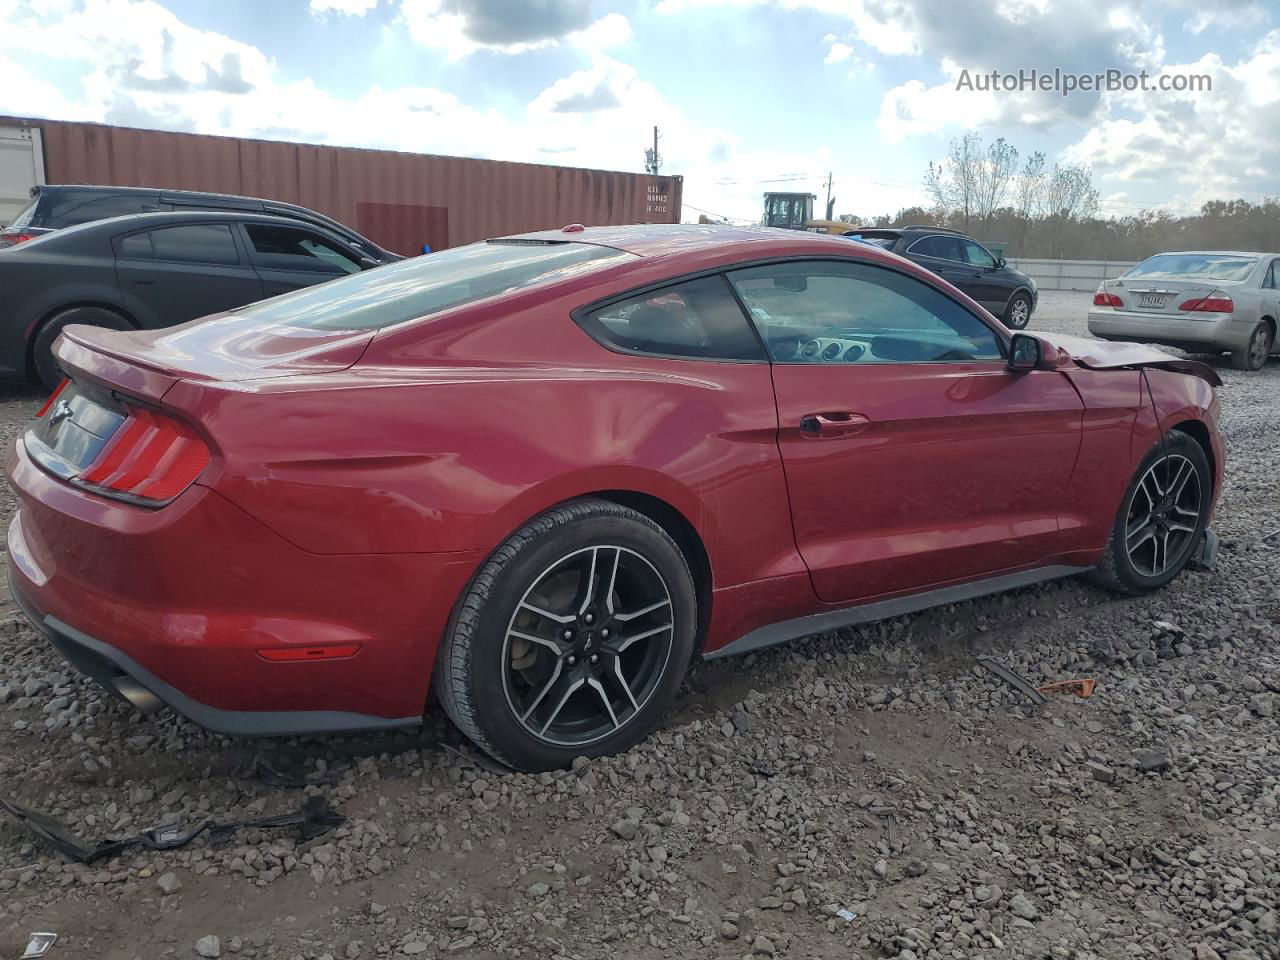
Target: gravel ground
{"x": 866, "y": 794}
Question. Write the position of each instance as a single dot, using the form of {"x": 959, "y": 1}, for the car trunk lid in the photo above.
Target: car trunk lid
{"x": 1165, "y": 296}
{"x": 224, "y": 348}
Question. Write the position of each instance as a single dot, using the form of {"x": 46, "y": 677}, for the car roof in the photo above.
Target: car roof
{"x": 109, "y": 188}
{"x": 655, "y": 239}
{"x": 1213, "y": 253}
{"x": 140, "y": 221}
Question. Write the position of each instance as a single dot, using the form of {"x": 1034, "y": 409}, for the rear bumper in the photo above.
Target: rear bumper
{"x": 128, "y": 680}
{"x": 180, "y": 601}
{"x": 1223, "y": 333}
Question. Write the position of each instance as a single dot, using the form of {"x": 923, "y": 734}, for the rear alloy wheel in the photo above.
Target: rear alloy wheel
{"x": 1018, "y": 314}
{"x": 1162, "y": 519}
{"x": 42, "y": 359}
{"x": 572, "y": 640}
{"x": 1253, "y": 355}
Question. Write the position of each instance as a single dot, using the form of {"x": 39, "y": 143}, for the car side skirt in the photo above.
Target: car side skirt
{"x": 776, "y": 633}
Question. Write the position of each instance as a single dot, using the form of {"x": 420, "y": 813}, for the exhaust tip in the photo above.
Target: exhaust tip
{"x": 138, "y": 695}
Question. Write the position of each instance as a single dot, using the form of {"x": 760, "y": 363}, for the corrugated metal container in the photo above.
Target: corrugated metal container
{"x": 400, "y": 200}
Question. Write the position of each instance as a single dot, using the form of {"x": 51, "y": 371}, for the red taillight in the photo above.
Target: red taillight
{"x": 53, "y": 397}
{"x": 1104, "y": 299}
{"x": 294, "y": 654}
{"x": 150, "y": 456}
{"x": 13, "y": 239}
{"x": 1217, "y": 302}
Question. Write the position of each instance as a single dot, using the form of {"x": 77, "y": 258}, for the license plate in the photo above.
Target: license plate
{"x": 1151, "y": 300}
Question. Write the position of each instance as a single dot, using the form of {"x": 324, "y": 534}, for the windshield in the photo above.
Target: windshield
{"x": 1194, "y": 266}
{"x": 430, "y": 284}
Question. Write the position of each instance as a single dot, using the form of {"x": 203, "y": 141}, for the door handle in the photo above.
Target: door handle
{"x": 143, "y": 283}
{"x": 841, "y": 423}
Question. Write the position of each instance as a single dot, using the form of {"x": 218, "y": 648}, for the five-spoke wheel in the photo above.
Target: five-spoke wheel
{"x": 587, "y": 645}
{"x": 1162, "y": 518}
{"x": 573, "y": 638}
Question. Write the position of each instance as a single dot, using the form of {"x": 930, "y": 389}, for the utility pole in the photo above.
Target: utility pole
{"x": 831, "y": 201}
{"x": 653, "y": 159}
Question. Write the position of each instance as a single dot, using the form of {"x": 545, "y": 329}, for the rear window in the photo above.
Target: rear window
{"x": 23, "y": 219}
{"x": 432, "y": 283}
{"x": 885, "y": 242}
{"x": 1194, "y": 266}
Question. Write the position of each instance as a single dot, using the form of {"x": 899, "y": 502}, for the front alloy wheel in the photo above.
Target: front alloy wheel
{"x": 1162, "y": 517}
{"x": 573, "y": 638}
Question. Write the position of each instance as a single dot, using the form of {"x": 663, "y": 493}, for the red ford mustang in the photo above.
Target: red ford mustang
{"x": 544, "y": 472}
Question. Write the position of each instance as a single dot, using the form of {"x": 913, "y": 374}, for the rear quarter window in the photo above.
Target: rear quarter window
{"x": 697, "y": 319}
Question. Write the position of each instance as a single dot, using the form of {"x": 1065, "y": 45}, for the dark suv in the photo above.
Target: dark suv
{"x": 964, "y": 263}
{"x": 55, "y": 206}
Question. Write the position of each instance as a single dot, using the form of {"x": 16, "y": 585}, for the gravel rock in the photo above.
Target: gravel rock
{"x": 168, "y": 882}
{"x": 209, "y": 947}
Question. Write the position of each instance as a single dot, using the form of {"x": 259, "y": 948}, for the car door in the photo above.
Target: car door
{"x": 288, "y": 257}
{"x": 986, "y": 284}
{"x": 943, "y": 255}
{"x": 914, "y": 457}
{"x": 174, "y": 274}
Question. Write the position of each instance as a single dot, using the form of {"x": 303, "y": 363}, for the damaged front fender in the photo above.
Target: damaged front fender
{"x": 1062, "y": 350}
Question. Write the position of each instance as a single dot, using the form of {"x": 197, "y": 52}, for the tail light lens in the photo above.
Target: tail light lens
{"x": 1216, "y": 302}
{"x": 53, "y": 398}
{"x": 1104, "y": 299}
{"x": 13, "y": 239}
{"x": 151, "y": 457}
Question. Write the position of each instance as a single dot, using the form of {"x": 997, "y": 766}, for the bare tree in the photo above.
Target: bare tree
{"x": 995, "y": 170}
{"x": 1029, "y": 190}
{"x": 1070, "y": 197}
{"x": 971, "y": 182}
{"x": 1070, "y": 193}
{"x": 954, "y": 184}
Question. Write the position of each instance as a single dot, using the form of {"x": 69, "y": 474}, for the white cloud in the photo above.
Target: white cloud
{"x": 460, "y": 28}
{"x": 1213, "y": 144}
{"x": 347, "y": 8}
{"x": 838, "y": 53}
{"x": 888, "y": 26}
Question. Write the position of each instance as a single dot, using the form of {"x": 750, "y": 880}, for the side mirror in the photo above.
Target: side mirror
{"x": 1001, "y": 263}
{"x": 1024, "y": 352}
{"x": 368, "y": 263}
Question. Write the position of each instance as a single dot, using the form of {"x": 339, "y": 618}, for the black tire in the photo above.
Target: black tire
{"x": 42, "y": 361}
{"x": 1253, "y": 355}
{"x": 1018, "y": 313}
{"x": 477, "y": 672}
{"x": 1118, "y": 570}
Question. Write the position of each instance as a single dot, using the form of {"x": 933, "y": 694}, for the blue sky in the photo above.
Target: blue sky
{"x": 745, "y": 91}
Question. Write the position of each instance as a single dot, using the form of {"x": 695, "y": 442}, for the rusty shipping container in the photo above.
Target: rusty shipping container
{"x": 400, "y": 200}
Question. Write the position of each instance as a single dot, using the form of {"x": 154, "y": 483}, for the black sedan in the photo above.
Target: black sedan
{"x": 152, "y": 270}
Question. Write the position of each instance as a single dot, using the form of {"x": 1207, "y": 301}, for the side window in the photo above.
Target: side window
{"x": 696, "y": 319}
{"x": 976, "y": 255}
{"x": 943, "y": 248}
{"x": 290, "y": 248}
{"x": 196, "y": 243}
{"x": 841, "y": 312}
{"x": 1269, "y": 281}
{"x": 136, "y": 246}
